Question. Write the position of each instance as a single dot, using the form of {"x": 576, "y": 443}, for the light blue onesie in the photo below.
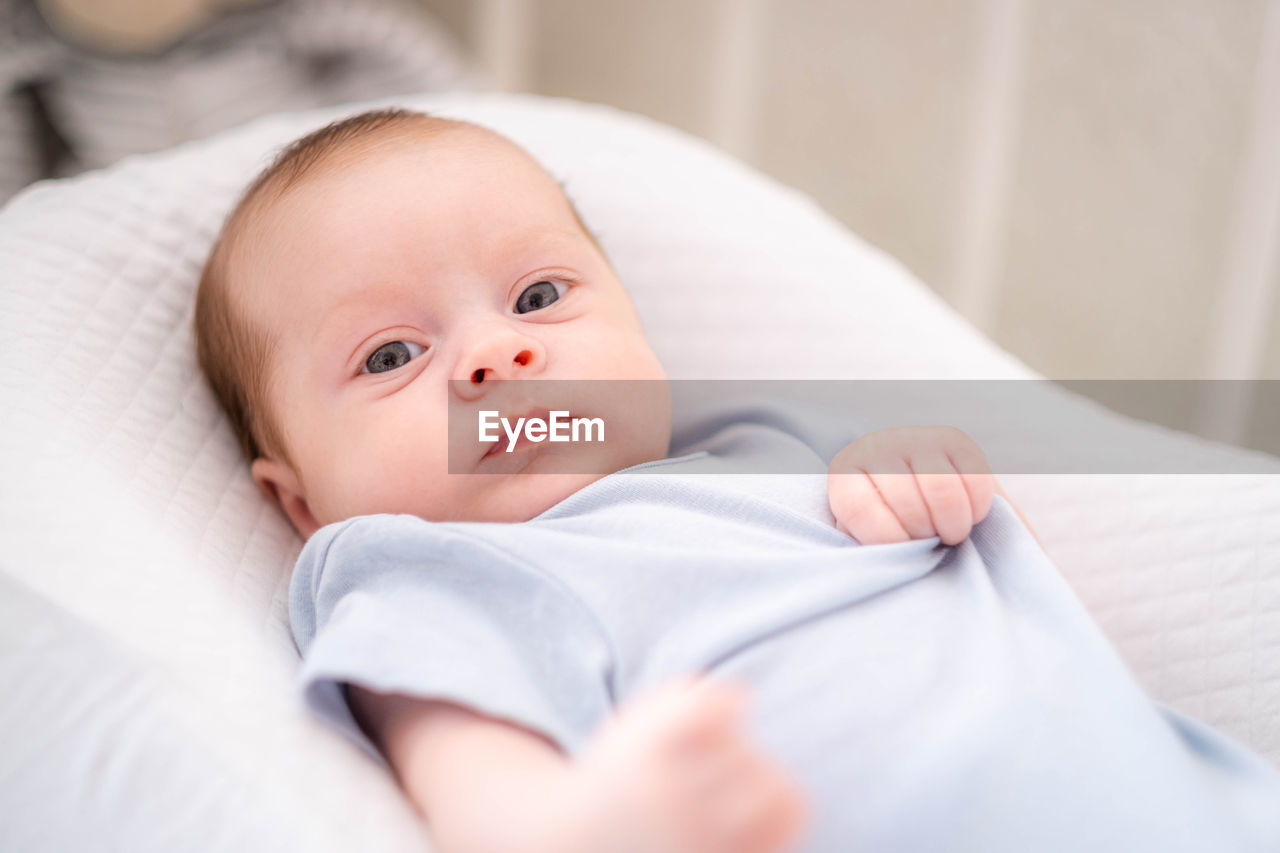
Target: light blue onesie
{"x": 927, "y": 698}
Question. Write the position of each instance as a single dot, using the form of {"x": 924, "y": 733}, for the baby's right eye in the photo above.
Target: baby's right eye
{"x": 391, "y": 355}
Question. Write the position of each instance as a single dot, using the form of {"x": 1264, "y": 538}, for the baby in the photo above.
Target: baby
{"x": 521, "y": 640}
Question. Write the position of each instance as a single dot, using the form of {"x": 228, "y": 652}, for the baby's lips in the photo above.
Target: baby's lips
{"x": 522, "y": 443}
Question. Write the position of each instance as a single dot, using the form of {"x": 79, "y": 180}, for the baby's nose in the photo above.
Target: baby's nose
{"x": 521, "y": 359}
{"x": 497, "y": 353}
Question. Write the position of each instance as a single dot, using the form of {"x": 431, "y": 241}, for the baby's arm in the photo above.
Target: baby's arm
{"x": 671, "y": 773}
{"x": 893, "y": 485}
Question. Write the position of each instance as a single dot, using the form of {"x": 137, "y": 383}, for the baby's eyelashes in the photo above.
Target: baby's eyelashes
{"x": 392, "y": 355}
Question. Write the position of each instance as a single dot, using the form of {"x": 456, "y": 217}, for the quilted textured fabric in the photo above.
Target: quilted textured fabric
{"x": 126, "y": 507}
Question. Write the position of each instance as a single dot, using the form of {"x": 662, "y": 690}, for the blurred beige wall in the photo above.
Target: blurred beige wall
{"x": 1094, "y": 183}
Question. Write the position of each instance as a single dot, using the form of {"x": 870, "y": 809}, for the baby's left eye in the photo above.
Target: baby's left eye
{"x": 538, "y": 295}
{"x": 391, "y": 355}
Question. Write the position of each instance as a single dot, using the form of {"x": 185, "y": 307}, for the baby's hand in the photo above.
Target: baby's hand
{"x": 905, "y": 483}
{"x": 674, "y": 773}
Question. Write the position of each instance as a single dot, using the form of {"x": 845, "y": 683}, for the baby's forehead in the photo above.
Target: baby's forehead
{"x": 364, "y": 172}
{"x": 465, "y": 164}
{"x": 316, "y": 210}
{"x": 405, "y": 149}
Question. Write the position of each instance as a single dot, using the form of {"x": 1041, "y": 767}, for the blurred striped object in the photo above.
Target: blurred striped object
{"x": 72, "y": 103}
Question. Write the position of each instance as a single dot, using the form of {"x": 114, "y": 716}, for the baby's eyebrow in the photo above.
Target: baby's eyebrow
{"x": 369, "y": 299}
{"x": 387, "y": 296}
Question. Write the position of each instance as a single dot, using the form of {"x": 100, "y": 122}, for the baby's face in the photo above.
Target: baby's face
{"x": 452, "y": 258}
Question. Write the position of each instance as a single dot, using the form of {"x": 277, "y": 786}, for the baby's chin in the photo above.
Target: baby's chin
{"x": 532, "y": 482}
{"x": 522, "y": 497}
{"x": 538, "y": 487}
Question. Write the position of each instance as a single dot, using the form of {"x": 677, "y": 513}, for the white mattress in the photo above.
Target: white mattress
{"x": 142, "y": 622}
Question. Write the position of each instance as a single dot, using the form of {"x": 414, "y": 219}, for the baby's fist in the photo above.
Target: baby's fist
{"x": 675, "y": 773}
{"x": 906, "y": 483}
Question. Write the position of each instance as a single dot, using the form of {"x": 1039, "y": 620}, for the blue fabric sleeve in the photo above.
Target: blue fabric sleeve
{"x": 394, "y": 604}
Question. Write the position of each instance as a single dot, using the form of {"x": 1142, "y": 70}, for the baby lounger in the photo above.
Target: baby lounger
{"x": 144, "y": 644}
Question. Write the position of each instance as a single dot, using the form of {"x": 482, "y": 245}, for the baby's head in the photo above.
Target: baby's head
{"x": 373, "y": 262}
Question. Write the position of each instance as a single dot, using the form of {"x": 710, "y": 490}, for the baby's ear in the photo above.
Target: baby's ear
{"x": 278, "y": 482}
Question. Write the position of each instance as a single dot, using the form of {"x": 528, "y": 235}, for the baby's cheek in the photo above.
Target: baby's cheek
{"x": 610, "y": 349}
{"x": 358, "y": 479}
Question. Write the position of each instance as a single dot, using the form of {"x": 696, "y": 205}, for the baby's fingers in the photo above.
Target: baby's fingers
{"x": 970, "y": 461}
{"x": 693, "y": 715}
{"x": 897, "y": 484}
{"x": 763, "y": 813}
{"x": 945, "y": 496}
{"x": 861, "y": 512}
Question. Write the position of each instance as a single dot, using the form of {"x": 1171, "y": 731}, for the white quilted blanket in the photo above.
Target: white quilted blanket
{"x": 143, "y": 641}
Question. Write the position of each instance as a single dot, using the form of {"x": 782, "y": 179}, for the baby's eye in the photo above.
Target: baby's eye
{"x": 391, "y": 355}
{"x": 540, "y": 294}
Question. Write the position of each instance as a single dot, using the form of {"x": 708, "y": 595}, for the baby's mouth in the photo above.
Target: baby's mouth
{"x": 522, "y": 442}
